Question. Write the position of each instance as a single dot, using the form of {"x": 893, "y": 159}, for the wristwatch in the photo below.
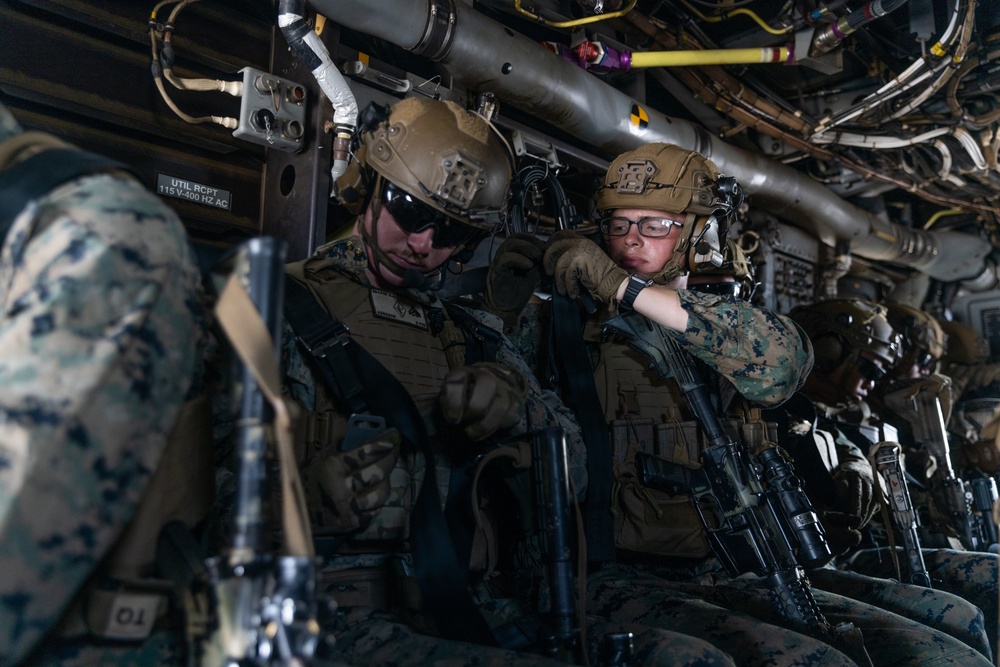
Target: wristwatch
{"x": 635, "y": 285}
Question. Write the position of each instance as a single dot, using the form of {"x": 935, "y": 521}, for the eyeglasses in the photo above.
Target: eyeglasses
{"x": 414, "y": 216}
{"x": 654, "y": 228}
{"x": 870, "y": 370}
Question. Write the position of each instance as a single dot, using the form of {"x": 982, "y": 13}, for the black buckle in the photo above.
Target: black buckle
{"x": 328, "y": 334}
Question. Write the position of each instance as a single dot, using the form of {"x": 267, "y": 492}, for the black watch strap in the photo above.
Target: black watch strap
{"x": 635, "y": 285}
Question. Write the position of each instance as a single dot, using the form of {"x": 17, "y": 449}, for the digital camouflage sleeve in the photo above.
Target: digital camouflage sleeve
{"x": 764, "y": 354}
{"x": 99, "y": 332}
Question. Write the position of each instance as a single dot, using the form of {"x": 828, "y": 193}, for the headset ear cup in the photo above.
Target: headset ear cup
{"x": 829, "y": 353}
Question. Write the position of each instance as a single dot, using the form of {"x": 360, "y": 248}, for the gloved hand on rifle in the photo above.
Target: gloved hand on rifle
{"x": 513, "y": 276}
{"x": 854, "y": 487}
{"x": 575, "y": 262}
{"x": 483, "y": 398}
{"x": 348, "y": 488}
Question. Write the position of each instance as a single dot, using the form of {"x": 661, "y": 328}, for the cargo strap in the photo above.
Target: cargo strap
{"x": 577, "y": 372}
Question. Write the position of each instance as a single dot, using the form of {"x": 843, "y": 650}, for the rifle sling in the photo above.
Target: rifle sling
{"x": 359, "y": 379}
{"x": 577, "y": 370}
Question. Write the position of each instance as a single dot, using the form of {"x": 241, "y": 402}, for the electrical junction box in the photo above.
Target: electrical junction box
{"x": 272, "y": 111}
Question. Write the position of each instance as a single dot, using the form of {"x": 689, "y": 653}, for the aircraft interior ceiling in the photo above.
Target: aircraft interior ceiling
{"x": 865, "y": 134}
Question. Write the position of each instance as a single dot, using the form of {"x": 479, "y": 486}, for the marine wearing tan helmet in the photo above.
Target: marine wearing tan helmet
{"x": 839, "y": 327}
{"x": 923, "y": 341}
{"x": 965, "y": 345}
{"x": 448, "y": 165}
{"x": 669, "y": 178}
{"x": 458, "y": 177}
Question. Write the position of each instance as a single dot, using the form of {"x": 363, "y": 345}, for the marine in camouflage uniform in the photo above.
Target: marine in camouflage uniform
{"x": 99, "y": 348}
{"x": 377, "y": 281}
{"x": 761, "y": 355}
{"x": 854, "y": 344}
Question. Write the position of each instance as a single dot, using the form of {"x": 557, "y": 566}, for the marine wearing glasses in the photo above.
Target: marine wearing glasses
{"x": 650, "y": 227}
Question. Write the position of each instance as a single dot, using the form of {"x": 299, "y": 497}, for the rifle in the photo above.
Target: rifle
{"x": 984, "y": 496}
{"x": 886, "y": 457}
{"x": 265, "y": 606}
{"x": 552, "y": 504}
{"x": 762, "y": 522}
{"x": 921, "y": 403}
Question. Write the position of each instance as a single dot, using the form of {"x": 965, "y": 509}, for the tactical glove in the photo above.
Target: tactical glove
{"x": 483, "y": 398}
{"x": 842, "y": 532}
{"x": 854, "y": 486}
{"x": 348, "y": 488}
{"x": 513, "y": 276}
{"x": 578, "y": 262}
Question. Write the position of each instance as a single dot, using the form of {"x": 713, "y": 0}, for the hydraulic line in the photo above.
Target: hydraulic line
{"x": 234, "y": 88}
{"x": 306, "y": 44}
{"x": 917, "y": 72}
{"x": 601, "y": 57}
{"x": 159, "y": 70}
{"x": 576, "y": 22}
{"x": 737, "y": 12}
{"x": 834, "y": 33}
{"x": 951, "y": 93}
{"x": 778, "y": 54}
{"x": 965, "y": 37}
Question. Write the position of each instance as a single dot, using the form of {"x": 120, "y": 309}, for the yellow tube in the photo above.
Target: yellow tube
{"x": 940, "y": 214}
{"x": 572, "y": 24}
{"x": 777, "y": 54}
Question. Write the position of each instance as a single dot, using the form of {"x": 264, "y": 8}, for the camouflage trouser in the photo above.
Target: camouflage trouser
{"x": 973, "y": 576}
{"x": 656, "y": 647}
{"x": 376, "y": 638}
{"x": 737, "y": 615}
{"x": 937, "y": 609}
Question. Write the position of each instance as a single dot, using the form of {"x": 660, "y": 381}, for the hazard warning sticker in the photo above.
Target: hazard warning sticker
{"x": 638, "y": 119}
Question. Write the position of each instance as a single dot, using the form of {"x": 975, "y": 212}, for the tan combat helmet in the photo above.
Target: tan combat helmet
{"x": 965, "y": 345}
{"x": 449, "y": 158}
{"x": 669, "y": 178}
{"x": 923, "y": 339}
{"x": 841, "y": 327}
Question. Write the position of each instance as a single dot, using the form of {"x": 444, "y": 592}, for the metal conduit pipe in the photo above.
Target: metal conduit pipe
{"x": 486, "y": 56}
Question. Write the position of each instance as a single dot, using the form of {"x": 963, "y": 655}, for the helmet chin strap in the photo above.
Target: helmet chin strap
{"x": 377, "y": 258}
{"x": 675, "y": 266}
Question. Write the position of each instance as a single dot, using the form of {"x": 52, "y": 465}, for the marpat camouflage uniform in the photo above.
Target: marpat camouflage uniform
{"x": 373, "y": 636}
{"x": 764, "y": 358}
{"x": 367, "y": 634}
{"x": 972, "y": 576}
{"x": 99, "y": 347}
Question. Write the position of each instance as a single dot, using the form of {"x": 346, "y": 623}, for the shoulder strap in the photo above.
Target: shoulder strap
{"x": 577, "y": 371}
{"x": 33, "y": 177}
{"x": 363, "y": 383}
{"x": 482, "y": 343}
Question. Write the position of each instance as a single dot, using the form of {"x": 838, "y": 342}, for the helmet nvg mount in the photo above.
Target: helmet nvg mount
{"x": 669, "y": 178}
{"x": 840, "y": 326}
{"x": 448, "y": 158}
